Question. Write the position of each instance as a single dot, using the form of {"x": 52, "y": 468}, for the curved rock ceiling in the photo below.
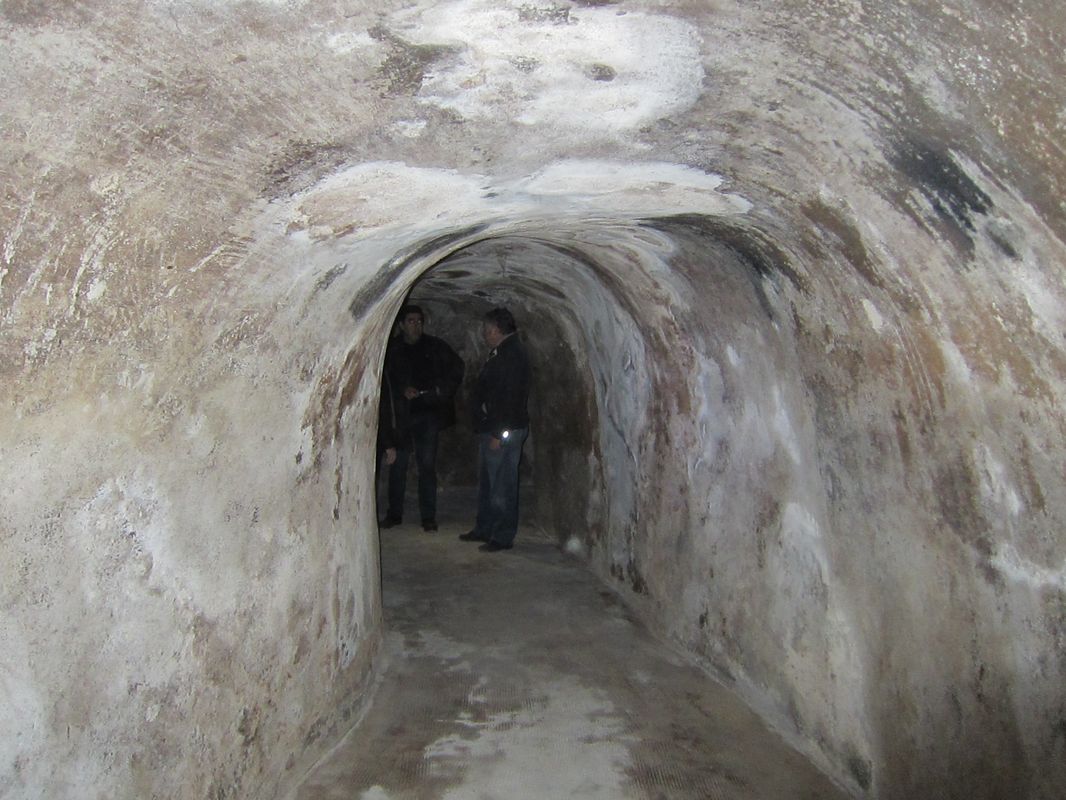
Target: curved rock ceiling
{"x": 791, "y": 274}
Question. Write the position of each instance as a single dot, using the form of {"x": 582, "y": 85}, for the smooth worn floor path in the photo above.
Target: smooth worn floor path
{"x": 518, "y": 675}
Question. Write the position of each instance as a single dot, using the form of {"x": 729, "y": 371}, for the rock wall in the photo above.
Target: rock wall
{"x": 791, "y": 272}
{"x": 190, "y": 594}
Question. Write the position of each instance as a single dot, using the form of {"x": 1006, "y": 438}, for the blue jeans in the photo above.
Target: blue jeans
{"x": 424, "y": 433}
{"x": 497, "y": 496}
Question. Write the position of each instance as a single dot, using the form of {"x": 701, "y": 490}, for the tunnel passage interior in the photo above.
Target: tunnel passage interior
{"x": 793, "y": 275}
{"x": 611, "y": 346}
{"x": 663, "y": 430}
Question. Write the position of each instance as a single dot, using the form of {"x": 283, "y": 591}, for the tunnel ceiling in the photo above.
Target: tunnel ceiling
{"x": 181, "y": 132}
{"x": 189, "y": 116}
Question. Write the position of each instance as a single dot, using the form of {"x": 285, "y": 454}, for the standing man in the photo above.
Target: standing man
{"x": 424, "y": 373}
{"x": 502, "y": 424}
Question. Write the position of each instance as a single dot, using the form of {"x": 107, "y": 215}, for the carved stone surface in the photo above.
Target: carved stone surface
{"x": 791, "y": 276}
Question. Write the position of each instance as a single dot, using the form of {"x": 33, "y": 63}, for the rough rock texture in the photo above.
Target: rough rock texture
{"x": 791, "y": 273}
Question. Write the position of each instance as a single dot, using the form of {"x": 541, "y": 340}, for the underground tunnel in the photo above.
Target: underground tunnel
{"x": 791, "y": 278}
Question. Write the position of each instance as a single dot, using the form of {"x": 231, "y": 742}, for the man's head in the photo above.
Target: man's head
{"x": 411, "y": 321}
{"x": 497, "y": 325}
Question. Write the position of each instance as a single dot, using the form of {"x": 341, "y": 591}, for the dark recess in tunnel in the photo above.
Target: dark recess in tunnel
{"x": 562, "y": 297}
{"x": 546, "y": 284}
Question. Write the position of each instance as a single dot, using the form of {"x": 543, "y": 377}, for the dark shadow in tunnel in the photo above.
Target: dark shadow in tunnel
{"x": 602, "y": 335}
{"x": 609, "y": 338}
{"x": 561, "y": 474}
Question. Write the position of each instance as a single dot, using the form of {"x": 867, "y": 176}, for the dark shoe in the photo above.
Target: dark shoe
{"x": 429, "y": 525}
{"x": 389, "y": 522}
{"x": 472, "y": 536}
{"x": 494, "y": 547}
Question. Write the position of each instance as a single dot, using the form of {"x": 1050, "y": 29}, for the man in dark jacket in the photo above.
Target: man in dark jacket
{"x": 501, "y": 421}
{"x": 423, "y": 373}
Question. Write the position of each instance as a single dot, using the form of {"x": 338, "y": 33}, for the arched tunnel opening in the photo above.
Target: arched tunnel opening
{"x": 791, "y": 276}
{"x": 616, "y": 349}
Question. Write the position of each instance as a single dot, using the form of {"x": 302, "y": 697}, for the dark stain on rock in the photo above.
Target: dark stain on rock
{"x": 1032, "y": 483}
{"x": 303, "y": 647}
{"x": 752, "y": 247}
{"x": 248, "y": 726}
{"x": 636, "y": 580}
{"x": 958, "y": 498}
{"x": 848, "y": 238}
{"x": 319, "y": 413}
{"x": 1002, "y": 236}
{"x": 600, "y": 72}
{"x": 300, "y": 165}
{"x": 955, "y": 198}
{"x": 993, "y": 577}
{"x": 355, "y": 365}
{"x": 861, "y": 770}
{"x": 375, "y": 288}
{"x": 327, "y": 280}
{"x": 767, "y": 519}
{"x": 315, "y": 732}
{"x": 406, "y": 64}
{"x": 610, "y": 599}
{"x": 903, "y": 440}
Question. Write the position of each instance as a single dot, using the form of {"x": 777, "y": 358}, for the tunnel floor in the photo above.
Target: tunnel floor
{"x": 519, "y": 675}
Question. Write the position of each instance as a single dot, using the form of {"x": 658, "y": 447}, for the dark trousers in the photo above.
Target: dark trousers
{"x": 424, "y": 434}
{"x": 497, "y": 496}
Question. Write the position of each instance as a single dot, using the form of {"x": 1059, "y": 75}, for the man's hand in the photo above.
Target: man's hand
{"x": 390, "y": 456}
{"x": 494, "y": 443}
